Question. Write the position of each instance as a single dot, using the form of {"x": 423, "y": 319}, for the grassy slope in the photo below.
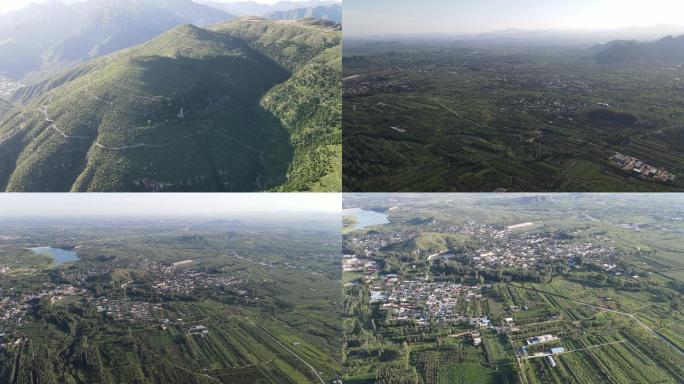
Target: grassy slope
{"x": 226, "y": 141}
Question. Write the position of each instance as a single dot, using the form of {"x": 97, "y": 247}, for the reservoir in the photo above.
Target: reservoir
{"x": 59, "y": 255}
{"x": 365, "y": 218}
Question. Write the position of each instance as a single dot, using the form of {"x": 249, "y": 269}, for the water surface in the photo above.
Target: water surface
{"x": 59, "y": 255}
{"x": 365, "y": 218}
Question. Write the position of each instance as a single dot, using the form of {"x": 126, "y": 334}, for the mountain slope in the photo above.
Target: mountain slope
{"x": 310, "y": 103}
{"x": 180, "y": 113}
{"x": 621, "y": 51}
{"x": 51, "y": 35}
{"x": 325, "y": 12}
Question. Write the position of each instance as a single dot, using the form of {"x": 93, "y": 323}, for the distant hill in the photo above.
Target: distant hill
{"x": 620, "y": 51}
{"x": 252, "y": 8}
{"x": 326, "y": 12}
{"x": 52, "y": 35}
{"x": 246, "y": 105}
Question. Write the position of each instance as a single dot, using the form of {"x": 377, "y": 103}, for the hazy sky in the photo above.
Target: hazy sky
{"x": 380, "y": 17}
{"x": 182, "y": 204}
{"x": 11, "y": 5}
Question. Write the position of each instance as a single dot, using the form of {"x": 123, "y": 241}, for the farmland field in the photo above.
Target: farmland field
{"x": 455, "y": 116}
{"x": 172, "y": 301}
{"x": 502, "y": 288}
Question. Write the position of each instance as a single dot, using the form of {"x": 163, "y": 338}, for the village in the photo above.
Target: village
{"x": 426, "y": 303}
{"x": 355, "y": 86}
{"x": 439, "y": 303}
{"x": 640, "y": 168}
{"x": 161, "y": 280}
{"x": 499, "y": 247}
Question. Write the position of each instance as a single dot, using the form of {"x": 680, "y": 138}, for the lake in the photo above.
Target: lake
{"x": 365, "y": 218}
{"x": 59, "y": 255}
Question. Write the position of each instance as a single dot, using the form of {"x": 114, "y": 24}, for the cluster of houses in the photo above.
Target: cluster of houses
{"x": 571, "y": 84}
{"x": 371, "y": 243}
{"x": 640, "y": 168}
{"x": 353, "y": 264}
{"x": 549, "y": 108}
{"x": 507, "y": 247}
{"x": 540, "y": 339}
{"x": 129, "y": 310}
{"x": 175, "y": 278}
{"x": 199, "y": 330}
{"x": 530, "y": 251}
{"x": 500, "y": 247}
{"x": 360, "y": 86}
{"x": 9, "y": 343}
{"x": 14, "y": 307}
{"x": 422, "y": 302}
{"x": 548, "y": 353}
{"x": 179, "y": 280}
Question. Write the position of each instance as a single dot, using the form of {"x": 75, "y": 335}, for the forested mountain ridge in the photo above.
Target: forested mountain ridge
{"x": 191, "y": 110}
{"x": 309, "y": 104}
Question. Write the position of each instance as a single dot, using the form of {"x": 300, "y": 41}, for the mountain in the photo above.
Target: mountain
{"x": 533, "y": 37}
{"x": 52, "y": 35}
{"x": 666, "y": 49}
{"x": 252, "y": 8}
{"x": 326, "y": 12}
{"x": 246, "y": 105}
